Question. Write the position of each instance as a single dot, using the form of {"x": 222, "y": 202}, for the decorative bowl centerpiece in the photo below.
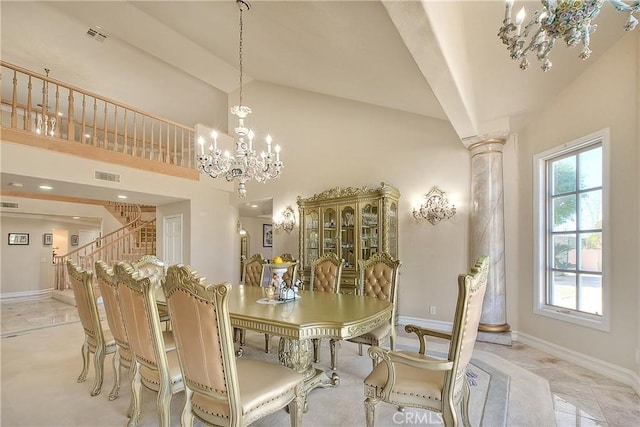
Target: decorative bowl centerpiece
{"x": 277, "y": 288}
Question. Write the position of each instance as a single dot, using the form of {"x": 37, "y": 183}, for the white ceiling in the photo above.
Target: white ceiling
{"x": 439, "y": 59}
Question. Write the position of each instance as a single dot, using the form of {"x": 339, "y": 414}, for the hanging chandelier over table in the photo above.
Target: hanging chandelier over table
{"x": 244, "y": 164}
{"x": 570, "y": 20}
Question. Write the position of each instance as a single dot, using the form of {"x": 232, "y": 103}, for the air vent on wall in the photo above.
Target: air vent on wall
{"x": 9, "y": 205}
{"x": 95, "y": 34}
{"x": 106, "y": 176}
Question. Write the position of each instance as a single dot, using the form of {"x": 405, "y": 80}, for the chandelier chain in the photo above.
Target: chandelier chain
{"x": 240, "y": 49}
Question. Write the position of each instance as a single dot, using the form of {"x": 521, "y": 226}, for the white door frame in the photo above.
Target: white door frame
{"x": 167, "y": 244}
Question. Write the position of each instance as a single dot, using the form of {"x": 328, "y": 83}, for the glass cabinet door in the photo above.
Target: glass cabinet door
{"x": 312, "y": 237}
{"x": 329, "y": 230}
{"x": 347, "y": 235}
{"x": 368, "y": 230}
{"x": 393, "y": 230}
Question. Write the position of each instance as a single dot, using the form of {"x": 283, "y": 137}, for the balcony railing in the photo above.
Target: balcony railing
{"x": 33, "y": 102}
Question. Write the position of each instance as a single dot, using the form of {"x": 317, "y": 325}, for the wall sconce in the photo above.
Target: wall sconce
{"x": 435, "y": 208}
{"x": 285, "y": 221}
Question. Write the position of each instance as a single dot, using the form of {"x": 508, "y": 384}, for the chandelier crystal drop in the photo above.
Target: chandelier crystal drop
{"x": 244, "y": 164}
{"x": 570, "y": 20}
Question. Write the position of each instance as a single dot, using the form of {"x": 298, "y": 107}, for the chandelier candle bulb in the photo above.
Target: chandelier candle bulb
{"x": 520, "y": 19}
{"x": 214, "y": 135}
{"x": 201, "y": 142}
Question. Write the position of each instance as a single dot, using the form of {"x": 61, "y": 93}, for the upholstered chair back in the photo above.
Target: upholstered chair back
{"x": 208, "y": 363}
{"x": 326, "y": 272}
{"x": 82, "y": 285}
{"x": 109, "y": 292}
{"x": 471, "y": 290}
{"x": 136, "y": 299}
{"x": 254, "y": 270}
{"x": 153, "y": 267}
{"x": 379, "y": 278}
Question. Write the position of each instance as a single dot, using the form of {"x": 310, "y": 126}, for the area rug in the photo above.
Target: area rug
{"x": 39, "y": 388}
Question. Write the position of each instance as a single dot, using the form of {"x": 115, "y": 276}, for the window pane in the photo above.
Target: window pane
{"x": 564, "y": 213}
{"x": 563, "y": 248}
{"x": 562, "y": 290}
{"x": 590, "y": 293}
{"x": 563, "y": 175}
{"x": 591, "y": 252}
{"x": 591, "y": 210}
{"x": 590, "y": 168}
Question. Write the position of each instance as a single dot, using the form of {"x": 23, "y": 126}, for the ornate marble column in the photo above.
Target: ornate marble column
{"x": 487, "y": 227}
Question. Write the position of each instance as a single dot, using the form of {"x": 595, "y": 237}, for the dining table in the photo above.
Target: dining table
{"x": 311, "y": 315}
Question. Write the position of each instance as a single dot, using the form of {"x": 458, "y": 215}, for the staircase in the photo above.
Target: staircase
{"x": 136, "y": 237}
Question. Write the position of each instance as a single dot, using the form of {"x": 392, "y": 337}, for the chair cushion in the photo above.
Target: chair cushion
{"x": 378, "y": 333}
{"x": 259, "y": 383}
{"x": 410, "y": 381}
{"x": 175, "y": 375}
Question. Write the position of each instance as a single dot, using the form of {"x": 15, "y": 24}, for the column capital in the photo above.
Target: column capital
{"x": 499, "y": 137}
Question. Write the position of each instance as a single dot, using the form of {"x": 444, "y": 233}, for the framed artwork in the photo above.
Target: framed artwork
{"x": 267, "y": 235}
{"x": 18, "y": 238}
{"x": 47, "y": 239}
{"x": 74, "y": 240}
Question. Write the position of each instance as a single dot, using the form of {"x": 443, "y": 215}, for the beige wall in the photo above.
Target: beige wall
{"x": 29, "y": 268}
{"x": 254, "y": 229}
{"x": 342, "y": 143}
{"x": 605, "y": 96}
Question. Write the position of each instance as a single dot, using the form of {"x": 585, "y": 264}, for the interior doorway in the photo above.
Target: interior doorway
{"x": 172, "y": 239}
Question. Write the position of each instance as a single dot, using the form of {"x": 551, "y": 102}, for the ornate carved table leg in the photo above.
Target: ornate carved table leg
{"x": 298, "y": 355}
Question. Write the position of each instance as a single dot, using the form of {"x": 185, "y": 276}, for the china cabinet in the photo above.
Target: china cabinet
{"x": 354, "y": 223}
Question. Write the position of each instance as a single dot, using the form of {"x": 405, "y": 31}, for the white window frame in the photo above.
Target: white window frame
{"x": 540, "y": 229}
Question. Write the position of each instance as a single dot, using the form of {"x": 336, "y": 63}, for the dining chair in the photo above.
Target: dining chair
{"x": 122, "y": 357}
{"x": 253, "y": 276}
{"x": 379, "y": 279}
{"x": 326, "y": 272}
{"x": 409, "y": 379}
{"x": 153, "y": 366}
{"x": 254, "y": 270}
{"x": 220, "y": 389}
{"x": 97, "y": 341}
{"x": 151, "y": 265}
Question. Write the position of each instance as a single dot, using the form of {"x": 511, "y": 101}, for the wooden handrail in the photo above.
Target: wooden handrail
{"x": 100, "y": 122}
{"x": 124, "y": 244}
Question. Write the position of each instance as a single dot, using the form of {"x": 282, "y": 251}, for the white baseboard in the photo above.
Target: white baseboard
{"x": 609, "y": 370}
{"x": 40, "y": 293}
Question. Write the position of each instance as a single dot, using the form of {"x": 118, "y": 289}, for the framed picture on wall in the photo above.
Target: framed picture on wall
{"x": 74, "y": 240}
{"x": 267, "y": 235}
{"x": 18, "y": 238}
{"x": 47, "y": 239}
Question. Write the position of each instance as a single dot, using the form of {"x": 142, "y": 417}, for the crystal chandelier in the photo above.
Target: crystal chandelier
{"x": 244, "y": 164}
{"x": 566, "y": 19}
{"x": 45, "y": 124}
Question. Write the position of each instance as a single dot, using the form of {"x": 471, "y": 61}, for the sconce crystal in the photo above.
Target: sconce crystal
{"x": 285, "y": 221}
{"x": 435, "y": 208}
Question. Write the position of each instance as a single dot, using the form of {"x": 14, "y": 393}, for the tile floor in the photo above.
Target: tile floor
{"x": 581, "y": 397}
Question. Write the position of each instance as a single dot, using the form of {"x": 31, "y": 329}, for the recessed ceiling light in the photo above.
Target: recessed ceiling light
{"x": 46, "y": 187}
{"x": 121, "y": 196}
{"x": 76, "y": 217}
{"x": 254, "y": 206}
{"x": 15, "y": 184}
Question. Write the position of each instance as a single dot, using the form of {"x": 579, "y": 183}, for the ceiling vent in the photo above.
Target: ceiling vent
{"x": 12, "y": 205}
{"x": 106, "y": 176}
{"x": 95, "y": 34}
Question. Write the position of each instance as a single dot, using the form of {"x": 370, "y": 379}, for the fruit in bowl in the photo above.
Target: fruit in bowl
{"x": 278, "y": 260}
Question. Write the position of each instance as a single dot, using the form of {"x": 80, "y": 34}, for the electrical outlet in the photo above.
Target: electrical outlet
{"x": 432, "y": 309}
